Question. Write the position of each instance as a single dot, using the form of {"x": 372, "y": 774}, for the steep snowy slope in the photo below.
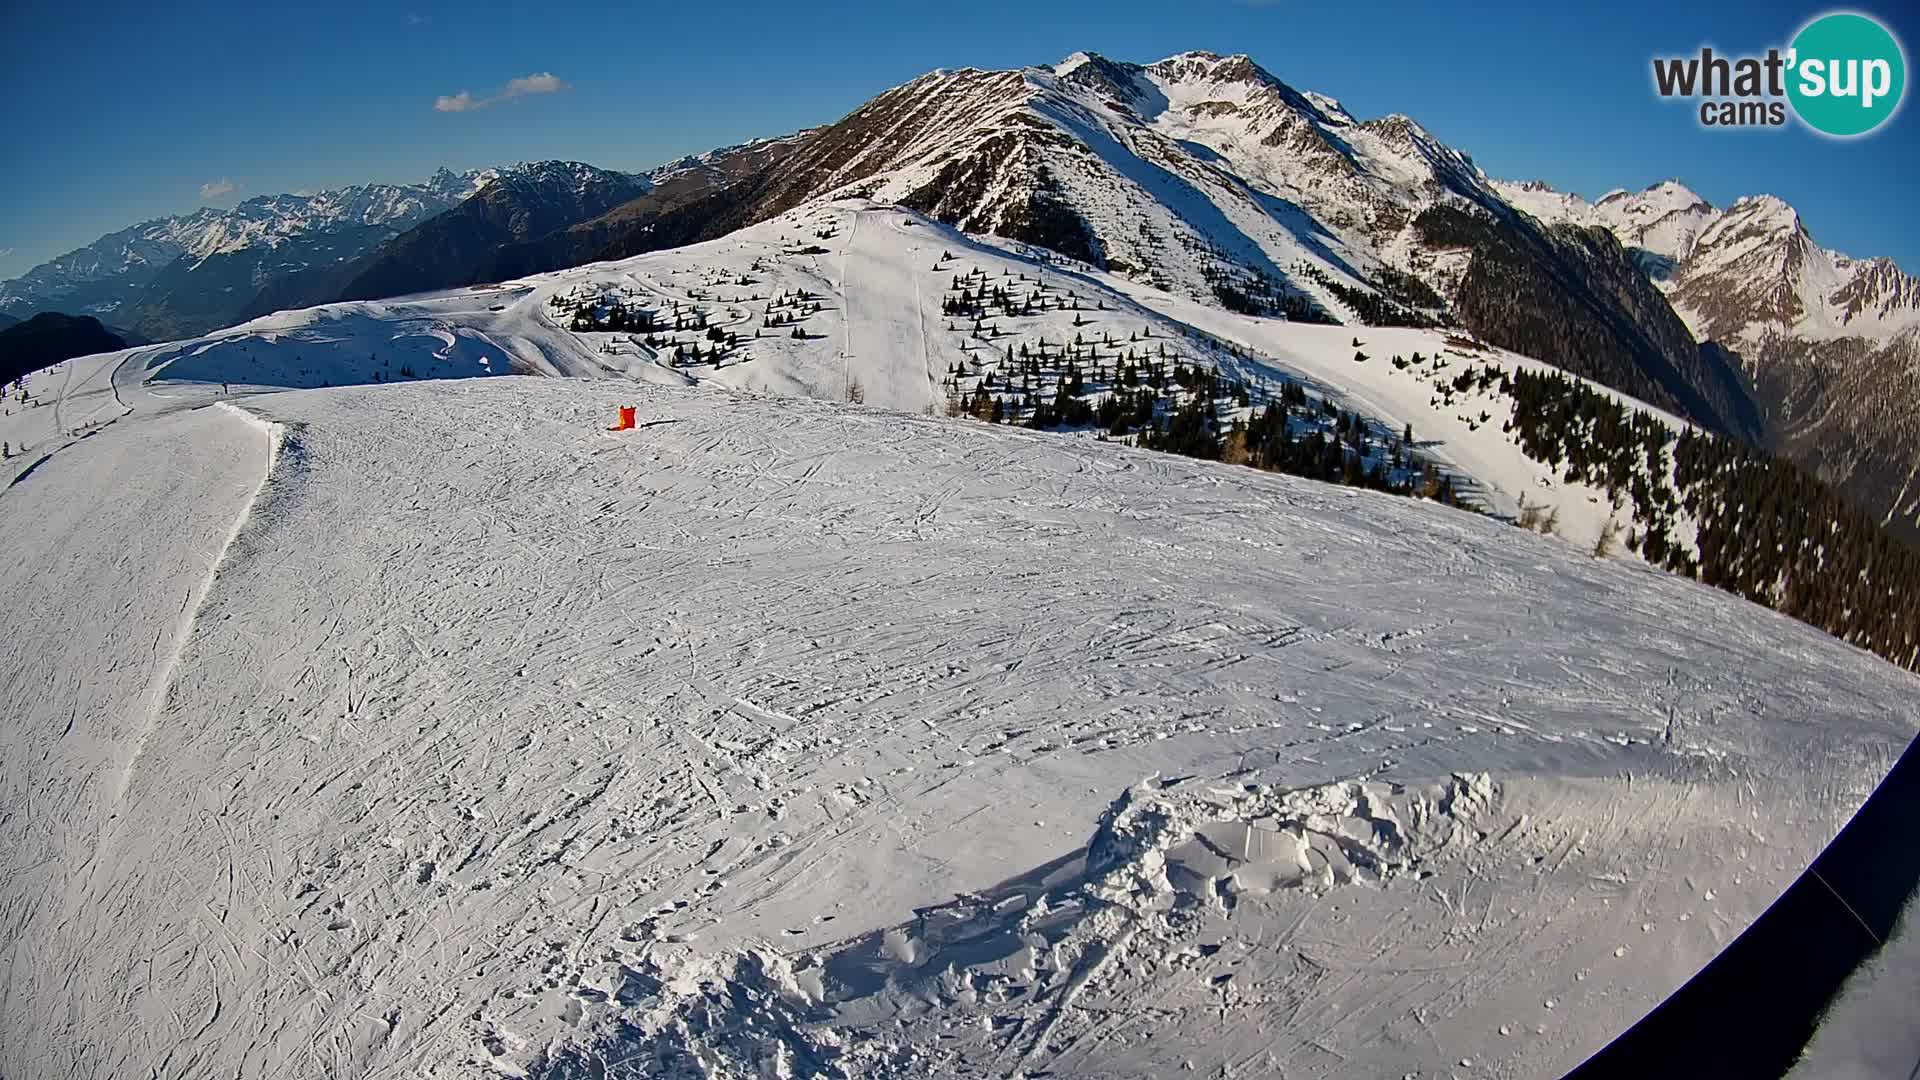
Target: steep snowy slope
{"x": 434, "y": 730}
{"x": 1465, "y": 427}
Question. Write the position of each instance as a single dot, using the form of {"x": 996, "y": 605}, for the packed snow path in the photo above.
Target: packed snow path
{"x": 115, "y": 543}
{"x": 887, "y": 351}
{"x": 497, "y": 738}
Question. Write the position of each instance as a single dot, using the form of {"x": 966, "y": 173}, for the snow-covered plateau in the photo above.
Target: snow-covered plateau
{"x": 425, "y": 727}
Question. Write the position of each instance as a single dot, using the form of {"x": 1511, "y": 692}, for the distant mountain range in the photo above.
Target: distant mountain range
{"x": 1202, "y": 174}
{"x": 181, "y": 275}
{"x": 456, "y": 247}
{"x": 1831, "y": 343}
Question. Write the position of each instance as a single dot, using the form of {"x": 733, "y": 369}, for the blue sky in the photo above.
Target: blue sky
{"x": 119, "y": 112}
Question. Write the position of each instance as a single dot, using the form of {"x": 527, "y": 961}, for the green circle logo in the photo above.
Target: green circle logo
{"x": 1848, "y": 74}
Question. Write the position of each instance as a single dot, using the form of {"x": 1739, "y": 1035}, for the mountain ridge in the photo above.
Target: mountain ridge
{"x": 140, "y": 251}
{"x": 188, "y": 273}
{"x": 1211, "y": 177}
{"x": 1830, "y": 342}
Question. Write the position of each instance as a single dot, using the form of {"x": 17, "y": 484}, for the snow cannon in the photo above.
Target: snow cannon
{"x": 626, "y": 419}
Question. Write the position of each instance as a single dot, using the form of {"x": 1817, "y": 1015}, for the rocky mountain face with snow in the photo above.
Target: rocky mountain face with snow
{"x": 518, "y": 205}
{"x": 687, "y": 200}
{"x": 1209, "y": 177}
{"x": 1574, "y": 295}
{"x": 1830, "y": 343}
{"x": 1196, "y": 170}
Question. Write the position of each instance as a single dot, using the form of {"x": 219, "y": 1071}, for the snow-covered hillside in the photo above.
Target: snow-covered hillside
{"x": 434, "y": 730}
{"x": 867, "y": 286}
{"x": 1464, "y": 428}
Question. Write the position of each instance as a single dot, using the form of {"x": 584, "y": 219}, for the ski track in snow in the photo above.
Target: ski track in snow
{"x": 886, "y": 354}
{"x": 792, "y": 736}
{"x": 125, "y": 534}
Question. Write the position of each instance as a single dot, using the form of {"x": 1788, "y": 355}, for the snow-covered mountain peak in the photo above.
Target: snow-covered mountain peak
{"x": 1668, "y": 194}
{"x": 1192, "y": 78}
{"x": 1121, "y": 84}
{"x": 1755, "y": 271}
{"x": 1660, "y": 223}
{"x": 1674, "y": 191}
{"x": 1406, "y": 133}
{"x": 1766, "y": 210}
{"x": 1757, "y": 232}
{"x": 1550, "y": 204}
{"x": 1178, "y": 170}
{"x": 563, "y": 175}
{"x": 1330, "y": 107}
{"x": 1210, "y": 67}
{"x": 1075, "y": 62}
{"x": 451, "y": 187}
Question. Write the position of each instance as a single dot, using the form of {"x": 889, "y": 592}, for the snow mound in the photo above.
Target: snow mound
{"x": 738, "y": 1015}
{"x": 1163, "y": 845}
{"x": 1163, "y": 853}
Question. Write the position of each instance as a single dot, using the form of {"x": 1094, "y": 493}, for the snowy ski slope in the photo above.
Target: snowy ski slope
{"x": 433, "y": 730}
{"x": 874, "y": 327}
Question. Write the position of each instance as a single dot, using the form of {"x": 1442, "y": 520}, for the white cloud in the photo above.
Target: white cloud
{"x": 217, "y": 188}
{"x": 416, "y": 20}
{"x": 545, "y": 82}
{"x": 4, "y": 252}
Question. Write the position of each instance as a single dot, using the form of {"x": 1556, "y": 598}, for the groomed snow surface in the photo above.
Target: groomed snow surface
{"x": 434, "y": 730}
